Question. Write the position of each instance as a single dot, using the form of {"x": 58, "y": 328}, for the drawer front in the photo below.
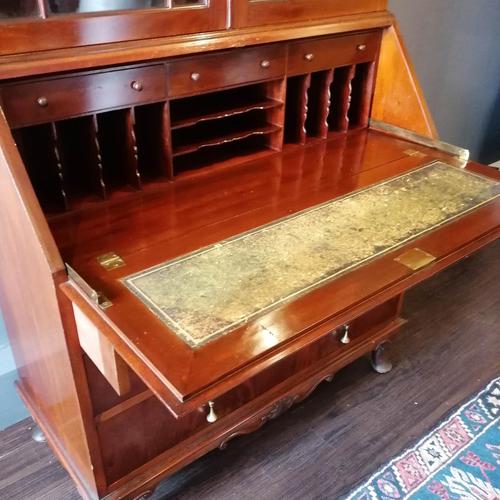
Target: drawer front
{"x": 211, "y": 72}
{"x": 321, "y": 54}
{"x": 334, "y": 342}
{"x": 56, "y": 99}
{"x": 265, "y": 396}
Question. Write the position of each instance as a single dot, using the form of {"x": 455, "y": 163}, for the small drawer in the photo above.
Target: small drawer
{"x": 327, "y": 53}
{"x": 211, "y": 72}
{"x": 60, "y": 98}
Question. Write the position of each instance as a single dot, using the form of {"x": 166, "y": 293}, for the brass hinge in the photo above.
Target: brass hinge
{"x": 97, "y": 297}
{"x": 110, "y": 261}
{"x": 415, "y": 259}
{"x": 408, "y": 135}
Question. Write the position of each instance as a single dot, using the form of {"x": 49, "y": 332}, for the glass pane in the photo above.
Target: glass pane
{"x": 187, "y": 3}
{"x": 69, "y": 6}
{"x": 18, "y": 8}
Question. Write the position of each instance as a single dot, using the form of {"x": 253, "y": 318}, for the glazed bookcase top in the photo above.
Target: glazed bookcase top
{"x": 47, "y": 26}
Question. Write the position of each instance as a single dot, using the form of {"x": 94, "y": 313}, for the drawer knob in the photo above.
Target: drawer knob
{"x": 42, "y": 101}
{"x": 137, "y": 85}
{"x": 345, "y": 339}
{"x": 265, "y": 64}
{"x": 309, "y": 57}
{"x": 212, "y": 416}
{"x": 195, "y": 77}
{"x": 361, "y": 47}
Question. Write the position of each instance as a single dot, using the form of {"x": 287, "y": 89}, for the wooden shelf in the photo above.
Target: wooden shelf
{"x": 224, "y": 139}
{"x": 217, "y": 112}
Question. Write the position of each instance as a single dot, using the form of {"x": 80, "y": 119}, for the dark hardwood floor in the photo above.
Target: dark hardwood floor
{"x": 345, "y": 430}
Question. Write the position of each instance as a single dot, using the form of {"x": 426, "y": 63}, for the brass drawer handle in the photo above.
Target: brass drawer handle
{"x": 361, "y": 47}
{"x": 195, "y": 77}
{"x": 345, "y": 339}
{"x": 265, "y": 64}
{"x": 137, "y": 86}
{"x": 42, "y": 101}
{"x": 212, "y": 416}
{"x": 309, "y": 57}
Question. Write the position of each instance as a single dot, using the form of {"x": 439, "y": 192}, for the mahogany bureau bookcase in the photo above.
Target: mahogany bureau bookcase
{"x": 208, "y": 208}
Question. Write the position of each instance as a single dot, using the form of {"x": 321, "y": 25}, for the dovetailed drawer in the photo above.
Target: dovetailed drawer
{"x": 326, "y": 53}
{"x": 211, "y": 72}
{"x": 46, "y": 100}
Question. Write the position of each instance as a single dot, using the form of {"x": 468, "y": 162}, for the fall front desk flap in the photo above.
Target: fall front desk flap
{"x": 210, "y": 292}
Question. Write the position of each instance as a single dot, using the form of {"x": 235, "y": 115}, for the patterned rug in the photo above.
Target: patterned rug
{"x": 458, "y": 460}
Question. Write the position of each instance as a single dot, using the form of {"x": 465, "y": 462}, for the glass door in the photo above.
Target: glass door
{"x": 80, "y": 6}
{"x": 36, "y": 25}
{"x": 11, "y": 9}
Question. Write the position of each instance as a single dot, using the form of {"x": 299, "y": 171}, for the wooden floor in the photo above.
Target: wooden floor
{"x": 346, "y": 429}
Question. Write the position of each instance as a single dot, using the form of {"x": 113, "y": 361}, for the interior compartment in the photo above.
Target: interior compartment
{"x": 218, "y": 105}
{"x": 153, "y": 138}
{"x": 204, "y": 127}
{"x": 326, "y": 101}
{"x": 119, "y": 150}
{"x": 296, "y": 109}
{"x": 38, "y": 148}
{"x": 78, "y": 162}
{"x": 206, "y": 134}
{"x": 361, "y": 95}
{"x": 338, "y": 119}
{"x": 223, "y": 152}
{"x": 319, "y": 104}
{"x": 79, "y": 148}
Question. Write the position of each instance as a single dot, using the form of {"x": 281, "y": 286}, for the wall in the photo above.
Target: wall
{"x": 455, "y": 46}
{"x": 11, "y": 408}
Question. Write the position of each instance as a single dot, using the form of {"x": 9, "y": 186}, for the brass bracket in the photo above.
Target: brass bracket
{"x": 415, "y": 259}
{"x": 409, "y": 135}
{"x": 110, "y": 261}
{"x": 414, "y": 153}
{"x": 96, "y": 297}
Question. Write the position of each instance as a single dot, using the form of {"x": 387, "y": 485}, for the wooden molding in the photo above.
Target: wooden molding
{"x": 53, "y": 61}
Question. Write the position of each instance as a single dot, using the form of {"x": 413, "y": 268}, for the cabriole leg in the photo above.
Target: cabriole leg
{"x": 380, "y": 359}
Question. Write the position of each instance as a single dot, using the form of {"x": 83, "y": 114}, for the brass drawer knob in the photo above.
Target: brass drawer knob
{"x": 265, "y": 64}
{"x": 195, "y": 77}
{"x": 137, "y": 85}
{"x": 361, "y": 47}
{"x": 212, "y": 416}
{"x": 42, "y": 101}
{"x": 309, "y": 57}
{"x": 345, "y": 339}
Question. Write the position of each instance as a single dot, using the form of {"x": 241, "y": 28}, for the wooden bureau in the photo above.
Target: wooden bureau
{"x": 163, "y": 170}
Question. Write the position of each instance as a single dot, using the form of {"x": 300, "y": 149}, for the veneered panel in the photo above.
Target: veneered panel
{"x": 398, "y": 98}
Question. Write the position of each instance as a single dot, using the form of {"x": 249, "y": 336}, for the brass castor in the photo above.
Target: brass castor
{"x": 380, "y": 359}
{"x": 37, "y": 435}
